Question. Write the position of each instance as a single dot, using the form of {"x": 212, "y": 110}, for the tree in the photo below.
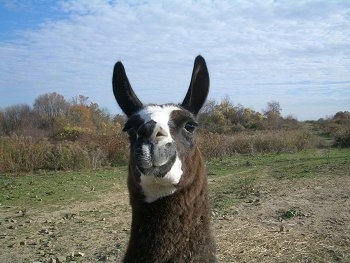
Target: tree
{"x": 100, "y": 117}
{"x": 273, "y": 107}
{"x": 48, "y": 107}
{"x": 80, "y": 100}
{"x": 80, "y": 116}
{"x": 15, "y": 118}
{"x": 273, "y": 115}
{"x": 342, "y": 115}
{"x": 209, "y": 106}
{"x": 226, "y": 117}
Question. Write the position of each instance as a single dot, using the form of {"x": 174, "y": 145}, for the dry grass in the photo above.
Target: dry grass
{"x": 92, "y": 151}
{"x": 26, "y": 154}
{"x": 220, "y": 146}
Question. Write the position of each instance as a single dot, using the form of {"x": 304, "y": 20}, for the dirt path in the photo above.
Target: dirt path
{"x": 306, "y": 220}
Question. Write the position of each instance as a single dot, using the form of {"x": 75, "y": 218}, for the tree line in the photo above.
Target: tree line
{"x": 59, "y": 134}
{"x": 52, "y": 115}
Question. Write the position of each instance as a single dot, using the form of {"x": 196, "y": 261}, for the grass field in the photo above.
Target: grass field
{"x": 266, "y": 208}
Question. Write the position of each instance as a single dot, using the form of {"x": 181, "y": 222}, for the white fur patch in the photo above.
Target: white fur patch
{"x": 161, "y": 116}
{"x": 156, "y": 187}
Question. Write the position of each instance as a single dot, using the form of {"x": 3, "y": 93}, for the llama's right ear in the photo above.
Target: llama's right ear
{"x": 123, "y": 92}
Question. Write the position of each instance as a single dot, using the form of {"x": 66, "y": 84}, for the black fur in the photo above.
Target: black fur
{"x": 123, "y": 92}
{"x": 199, "y": 87}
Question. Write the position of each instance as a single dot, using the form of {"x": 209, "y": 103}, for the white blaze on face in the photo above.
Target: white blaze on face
{"x": 156, "y": 187}
{"x": 161, "y": 116}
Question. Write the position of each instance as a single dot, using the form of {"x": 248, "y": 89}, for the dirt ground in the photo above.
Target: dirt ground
{"x": 306, "y": 220}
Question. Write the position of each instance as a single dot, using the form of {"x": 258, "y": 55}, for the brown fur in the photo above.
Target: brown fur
{"x": 175, "y": 228}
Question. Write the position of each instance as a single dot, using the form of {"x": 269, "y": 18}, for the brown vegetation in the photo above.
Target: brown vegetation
{"x": 57, "y": 134}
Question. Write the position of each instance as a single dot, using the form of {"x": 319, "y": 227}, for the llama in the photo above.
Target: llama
{"x": 167, "y": 179}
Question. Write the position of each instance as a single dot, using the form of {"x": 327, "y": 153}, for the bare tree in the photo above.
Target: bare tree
{"x": 80, "y": 100}
{"x": 273, "y": 115}
{"x": 50, "y": 106}
{"x": 15, "y": 118}
{"x": 209, "y": 106}
{"x": 273, "y": 107}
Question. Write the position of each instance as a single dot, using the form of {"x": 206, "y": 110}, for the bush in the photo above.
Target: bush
{"x": 22, "y": 154}
{"x": 70, "y": 133}
{"x": 67, "y": 156}
{"x": 213, "y": 145}
{"x": 342, "y": 139}
{"x": 116, "y": 148}
{"x": 218, "y": 145}
{"x": 91, "y": 151}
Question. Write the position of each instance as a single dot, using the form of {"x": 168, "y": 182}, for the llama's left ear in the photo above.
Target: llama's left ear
{"x": 199, "y": 87}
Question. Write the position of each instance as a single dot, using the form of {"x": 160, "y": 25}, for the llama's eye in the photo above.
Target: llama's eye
{"x": 190, "y": 126}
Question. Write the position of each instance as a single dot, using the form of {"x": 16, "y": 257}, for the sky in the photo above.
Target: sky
{"x": 294, "y": 52}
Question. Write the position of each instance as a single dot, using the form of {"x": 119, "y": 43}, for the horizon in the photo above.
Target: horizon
{"x": 88, "y": 101}
{"x": 295, "y": 53}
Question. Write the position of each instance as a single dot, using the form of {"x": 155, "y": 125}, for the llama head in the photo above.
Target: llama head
{"x": 161, "y": 136}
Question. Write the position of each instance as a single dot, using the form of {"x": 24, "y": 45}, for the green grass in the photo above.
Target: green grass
{"x": 58, "y": 188}
{"x": 285, "y": 165}
{"x": 237, "y": 178}
{"x": 291, "y": 213}
{"x": 232, "y": 179}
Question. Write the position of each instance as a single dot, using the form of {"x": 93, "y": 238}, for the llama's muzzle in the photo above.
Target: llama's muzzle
{"x": 155, "y": 160}
{"x": 154, "y": 152}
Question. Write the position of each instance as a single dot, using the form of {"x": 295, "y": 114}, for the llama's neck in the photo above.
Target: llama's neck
{"x": 174, "y": 228}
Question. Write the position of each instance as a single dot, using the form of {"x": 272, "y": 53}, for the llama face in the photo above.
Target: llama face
{"x": 152, "y": 146}
{"x": 161, "y": 136}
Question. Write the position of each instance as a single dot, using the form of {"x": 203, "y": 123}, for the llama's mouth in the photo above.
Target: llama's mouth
{"x": 158, "y": 171}
{"x": 155, "y": 160}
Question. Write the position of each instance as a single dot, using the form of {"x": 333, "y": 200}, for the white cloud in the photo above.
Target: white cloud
{"x": 245, "y": 43}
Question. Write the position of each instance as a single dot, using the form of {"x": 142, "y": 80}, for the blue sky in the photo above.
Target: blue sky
{"x": 293, "y": 52}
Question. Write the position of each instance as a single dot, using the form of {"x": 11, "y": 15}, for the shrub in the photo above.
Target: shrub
{"x": 342, "y": 139}
{"x": 115, "y": 147}
{"x": 70, "y": 133}
{"x": 218, "y": 145}
{"x": 22, "y": 153}
{"x": 213, "y": 145}
{"x": 91, "y": 151}
{"x": 67, "y": 156}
